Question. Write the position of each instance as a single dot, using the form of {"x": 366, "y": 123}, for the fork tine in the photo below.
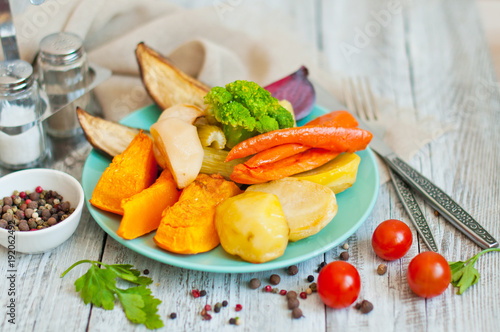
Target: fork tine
{"x": 371, "y": 97}
{"x": 356, "y": 101}
{"x": 363, "y": 96}
{"x": 348, "y": 96}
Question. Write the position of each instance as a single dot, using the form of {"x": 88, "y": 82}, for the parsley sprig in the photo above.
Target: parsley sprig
{"x": 98, "y": 286}
{"x": 464, "y": 274}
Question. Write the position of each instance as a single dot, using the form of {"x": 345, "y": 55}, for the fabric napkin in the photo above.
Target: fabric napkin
{"x": 216, "y": 44}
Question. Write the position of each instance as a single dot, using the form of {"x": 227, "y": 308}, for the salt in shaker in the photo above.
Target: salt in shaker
{"x": 63, "y": 73}
{"x": 22, "y": 104}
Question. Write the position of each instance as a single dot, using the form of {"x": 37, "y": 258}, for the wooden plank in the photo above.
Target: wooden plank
{"x": 44, "y": 300}
{"x": 459, "y": 88}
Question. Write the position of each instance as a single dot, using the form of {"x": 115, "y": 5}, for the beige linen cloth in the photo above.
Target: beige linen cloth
{"x": 217, "y": 44}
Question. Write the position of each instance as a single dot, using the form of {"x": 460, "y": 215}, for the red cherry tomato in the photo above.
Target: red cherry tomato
{"x": 428, "y": 274}
{"x": 392, "y": 239}
{"x": 338, "y": 284}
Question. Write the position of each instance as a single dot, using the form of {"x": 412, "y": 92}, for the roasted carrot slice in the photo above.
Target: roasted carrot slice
{"x": 295, "y": 164}
{"x": 335, "y": 119}
{"x": 332, "y": 119}
{"x": 329, "y": 138}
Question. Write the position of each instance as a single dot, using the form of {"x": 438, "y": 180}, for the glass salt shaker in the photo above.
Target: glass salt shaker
{"x": 63, "y": 73}
{"x": 22, "y": 104}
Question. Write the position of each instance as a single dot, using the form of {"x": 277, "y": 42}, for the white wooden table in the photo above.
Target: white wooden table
{"x": 430, "y": 55}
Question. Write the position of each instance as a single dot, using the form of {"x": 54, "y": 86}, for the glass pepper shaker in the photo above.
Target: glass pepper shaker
{"x": 22, "y": 104}
{"x": 63, "y": 73}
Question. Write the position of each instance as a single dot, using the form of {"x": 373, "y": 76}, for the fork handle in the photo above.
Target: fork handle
{"x": 443, "y": 203}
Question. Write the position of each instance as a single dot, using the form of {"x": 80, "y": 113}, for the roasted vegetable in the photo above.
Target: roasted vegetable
{"x": 109, "y": 137}
{"x": 186, "y": 112}
{"x": 165, "y": 83}
{"x": 308, "y": 206}
{"x": 252, "y": 225}
{"x": 128, "y": 174}
{"x": 178, "y": 148}
{"x": 188, "y": 227}
{"x": 245, "y": 109}
{"x": 331, "y": 138}
{"x": 338, "y": 174}
{"x": 297, "y": 89}
{"x": 280, "y": 169}
{"x": 211, "y": 136}
{"x": 142, "y": 212}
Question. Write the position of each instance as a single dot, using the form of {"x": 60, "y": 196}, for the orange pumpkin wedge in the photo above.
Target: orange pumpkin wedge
{"x": 142, "y": 212}
{"x": 188, "y": 226}
{"x": 128, "y": 174}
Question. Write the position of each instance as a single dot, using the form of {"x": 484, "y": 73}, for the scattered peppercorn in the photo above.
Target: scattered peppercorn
{"x": 436, "y": 213}
{"x": 203, "y": 313}
{"x": 203, "y": 292}
{"x": 217, "y": 307}
{"x": 293, "y": 303}
{"x": 382, "y": 269}
{"x": 320, "y": 266}
{"x": 173, "y": 315}
{"x": 238, "y": 307}
{"x": 254, "y": 283}
{"x": 196, "y": 293}
{"x": 224, "y": 303}
{"x": 275, "y": 290}
{"x": 345, "y": 246}
{"x": 291, "y": 295}
{"x": 297, "y": 313}
{"x": 293, "y": 270}
{"x": 274, "y": 279}
{"x": 283, "y": 292}
{"x": 268, "y": 288}
{"x": 238, "y": 321}
{"x": 39, "y": 189}
{"x": 344, "y": 255}
{"x": 208, "y": 307}
{"x": 146, "y": 271}
{"x": 310, "y": 278}
{"x": 232, "y": 321}
{"x": 303, "y": 295}
{"x": 309, "y": 291}
{"x": 207, "y": 317}
{"x": 313, "y": 287}
{"x": 365, "y": 306}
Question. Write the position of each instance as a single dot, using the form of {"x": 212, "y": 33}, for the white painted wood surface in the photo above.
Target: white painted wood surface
{"x": 430, "y": 55}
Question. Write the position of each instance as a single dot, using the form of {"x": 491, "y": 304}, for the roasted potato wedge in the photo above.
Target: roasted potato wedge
{"x": 165, "y": 83}
{"x": 109, "y": 137}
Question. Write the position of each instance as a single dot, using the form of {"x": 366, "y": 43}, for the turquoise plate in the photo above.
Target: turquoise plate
{"x": 355, "y": 204}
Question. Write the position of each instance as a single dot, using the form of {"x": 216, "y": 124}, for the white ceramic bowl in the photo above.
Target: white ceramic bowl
{"x": 45, "y": 239}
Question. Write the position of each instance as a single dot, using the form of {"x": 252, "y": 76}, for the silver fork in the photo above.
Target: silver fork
{"x": 360, "y": 99}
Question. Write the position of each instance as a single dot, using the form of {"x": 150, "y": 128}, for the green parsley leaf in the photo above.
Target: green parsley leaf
{"x": 97, "y": 286}
{"x": 126, "y": 272}
{"x": 140, "y": 306}
{"x": 464, "y": 274}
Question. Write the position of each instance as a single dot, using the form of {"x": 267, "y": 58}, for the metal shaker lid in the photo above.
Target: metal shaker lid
{"x": 61, "y": 48}
{"x": 15, "y": 75}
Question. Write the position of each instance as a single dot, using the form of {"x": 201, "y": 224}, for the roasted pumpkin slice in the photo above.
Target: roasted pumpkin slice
{"x": 128, "y": 174}
{"x": 142, "y": 212}
{"x": 188, "y": 227}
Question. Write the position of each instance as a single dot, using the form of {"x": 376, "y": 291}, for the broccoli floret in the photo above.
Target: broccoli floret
{"x": 245, "y": 109}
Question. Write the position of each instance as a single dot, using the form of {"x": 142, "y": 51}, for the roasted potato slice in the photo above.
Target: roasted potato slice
{"x": 308, "y": 206}
{"x": 165, "y": 83}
